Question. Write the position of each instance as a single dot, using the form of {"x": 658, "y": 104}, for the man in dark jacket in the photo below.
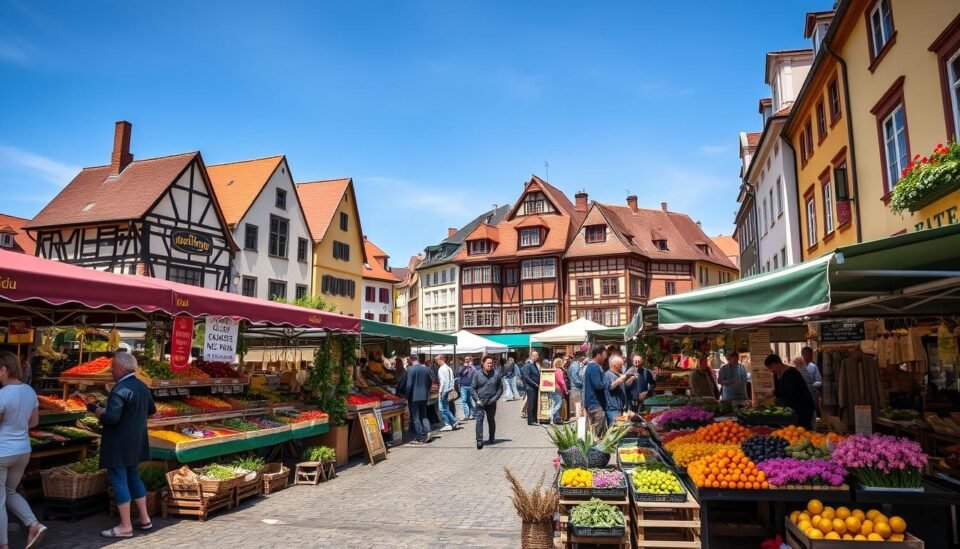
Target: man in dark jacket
{"x": 790, "y": 389}
{"x": 418, "y": 392}
{"x": 531, "y": 382}
{"x": 124, "y": 442}
{"x": 465, "y": 378}
{"x": 485, "y": 391}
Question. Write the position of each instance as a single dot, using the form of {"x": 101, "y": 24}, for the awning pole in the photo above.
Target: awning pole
{"x": 911, "y": 290}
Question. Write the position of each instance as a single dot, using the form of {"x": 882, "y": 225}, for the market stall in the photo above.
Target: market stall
{"x": 571, "y": 333}
{"x": 466, "y": 344}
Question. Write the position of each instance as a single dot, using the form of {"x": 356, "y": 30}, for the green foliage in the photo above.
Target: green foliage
{"x": 926, "y": 176}
{"x": 308, "y": 302}
{"x": 153, "y": 477}
{"x": 199, "y": 332}
{"x": 248, "y": 463}
{"x": 329, "y": 378}
{"x": 320, "y": 453}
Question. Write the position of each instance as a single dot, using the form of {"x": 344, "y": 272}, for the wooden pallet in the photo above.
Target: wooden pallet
{"x": 569, "y": 541}
{"x": 666, "y": 525}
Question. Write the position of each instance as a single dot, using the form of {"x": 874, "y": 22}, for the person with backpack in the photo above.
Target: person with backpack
{"x": 733, "y": 379}
{"x": 465, "y": 379}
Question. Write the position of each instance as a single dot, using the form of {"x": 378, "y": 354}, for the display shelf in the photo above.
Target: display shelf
{"x": 200, "y": 418}
{"x": 235, "y": 446}
{"x": 189, "y": 383}
{"x": 53, "y": 417}
{"x": 67, "y": 448}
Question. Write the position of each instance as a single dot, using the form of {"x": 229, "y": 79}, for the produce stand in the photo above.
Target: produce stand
{"x": 236, "y": 446}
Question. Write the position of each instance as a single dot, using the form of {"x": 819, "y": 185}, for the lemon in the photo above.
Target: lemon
{"x": 814, "y": 506}
{"x": 843, "y": 513}
{"x": 815, "y": 519}
{"x": 802, "y": 516}
{"x": 813, "y": 533}
{"x": 897, "y": 525}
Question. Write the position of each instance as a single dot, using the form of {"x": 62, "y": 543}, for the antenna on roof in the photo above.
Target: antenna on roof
{"x": 546, "y": 167}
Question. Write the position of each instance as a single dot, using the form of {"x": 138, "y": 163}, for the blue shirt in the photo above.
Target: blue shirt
{"x": 733, "y": 381}
{"x": 644, "y": 382}
{"x": 594, "y": 396}
{"x": 576, "y": 377}
{"x": 616, "y": 397}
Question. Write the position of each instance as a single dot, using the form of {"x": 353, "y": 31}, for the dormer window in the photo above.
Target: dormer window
{"x": 704, "y": 248}
{"x": 596, "y": 233}
{"x": 478, "y": 247}
{"x": 661, "y": 245}
{"x": 536, "y": 203}
{"x": 6, "y": 240}
{"x": 530, "y": 237}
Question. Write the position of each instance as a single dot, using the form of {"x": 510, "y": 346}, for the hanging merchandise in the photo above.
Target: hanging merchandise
{"x": 113, "y": 342}
{"x": 946, "y": 344}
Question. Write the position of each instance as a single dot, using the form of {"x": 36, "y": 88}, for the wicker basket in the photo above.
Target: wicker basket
{"x": 63, "y": 483}
{"x": 537, "y": 535}
{"x": 275, "y": 477}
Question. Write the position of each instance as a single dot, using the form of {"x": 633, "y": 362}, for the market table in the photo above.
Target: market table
{"x": 241, "y": 445}
{"x": 918, "y": 509}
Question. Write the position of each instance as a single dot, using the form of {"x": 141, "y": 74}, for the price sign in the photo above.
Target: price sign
{"x": 183, "y": 392}
{"x": 181, "y": 340}
{"x": 220, "y": 339}
{"x": 215, "y": 389}
{"x": 163, "y": 392}
{"x": 376, "y": 412}
{"x": 841, "y": 332}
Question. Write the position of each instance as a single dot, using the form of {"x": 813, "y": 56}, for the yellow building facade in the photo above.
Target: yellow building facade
{"x": 903, "y": 62}
{"x": 817, "y": 131}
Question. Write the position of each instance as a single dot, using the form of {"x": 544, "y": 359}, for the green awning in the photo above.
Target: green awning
{"x": 514, "y": 341}
{"x": 372, "y": 330}
{"x": 636, "y": 324}
{"x": 607, "y": 335}
{"x": 914, "y": 274}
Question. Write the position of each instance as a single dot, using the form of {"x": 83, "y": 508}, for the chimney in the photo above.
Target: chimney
{"x": 663, "y": 206}
{"x": 121, "y": 148}
{"x": 581, "y": 201}
{"x": 451, "y": 231}
{"x": 699, "y": 225}
{"x": 632, "y": 203}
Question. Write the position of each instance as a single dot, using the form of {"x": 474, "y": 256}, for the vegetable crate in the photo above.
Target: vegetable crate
{"x": 798, "y": 540}
{"x": 186, "y": 496}
{"x": 616, "y": 493}
{"x": 646, "y": 497}
{"x": 657, "y": 524}
{"x": 571, "y": 535}
{"x": 250, "y": 486}
{"x": 275, "y": 477}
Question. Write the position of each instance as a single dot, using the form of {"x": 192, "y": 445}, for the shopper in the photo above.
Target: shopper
{"x": 448, "y": 394}
{"x": 811, "y": 375}
{"x": 791, "y": 390}
{"x": 733, "y": 380}
{"x": 575, "y": 371}
{"x": 465, "y": 376}
{"x": 594, "y": 395}
{"x": 418, "y": 392}
{"x": 559, "y": 392}
{"x": 703, "y": 382}
{"x": 616, "y": 387}
{"x": 20, "y": 413}
{"x": 643, "y": 387}
{"x": 530, "y": 373}
{"x": 124, "y": 443}
{"x": 486, "y": 390}
{"x": 510, "y": 379}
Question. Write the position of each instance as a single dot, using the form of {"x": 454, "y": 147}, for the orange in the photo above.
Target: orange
{"x": 825, "y": 525}
{"x": 867, "y": 527}
{"x": 813, "y": 533}
{"x": 872, "y": 513}
{"x": 802, "y": 516}
{"x": 804, "y": 525}
{"x": 896, "y": 537}
{"x": 853, "y": 524}
{"x": 839, "y": 526}
{"x": 874, "y": 537}
{"x": 847, "y": 537}
{"x": 815, "y": 506}
{"x": 860, "y": 537}
{"x": 883, "y": 529}
{"x": 880, "y": 517}
{"x": 898, "y": 525}
{"x": 831, "y": 535}
{"x": 843, "y": 513}
{"x": 828, "y": 513}
{"x": 859, "y": 514}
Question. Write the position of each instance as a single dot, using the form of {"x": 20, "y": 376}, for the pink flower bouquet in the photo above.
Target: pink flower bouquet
{"x": 784, "y": 471}
{"x": 882, "y": 460}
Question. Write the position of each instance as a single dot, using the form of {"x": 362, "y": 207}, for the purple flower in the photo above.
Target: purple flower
{"x": 684, "y": 417}
{"x": 784, "y": 471}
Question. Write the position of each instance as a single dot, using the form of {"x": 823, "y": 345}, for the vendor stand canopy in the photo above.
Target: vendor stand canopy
{"x": 571, "y": 333}
{"x": 607, "y": 335}
{"x": 371, "y": 331}
{"x": 467, "y": 343}
{"x": 514, "y": 341}
{"x": 915, "y": 274}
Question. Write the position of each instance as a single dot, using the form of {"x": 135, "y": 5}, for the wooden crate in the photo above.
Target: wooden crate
{"x": 798, "y": 540}
{"x": 675, "y": 525}
{"x": 567, "y": 539}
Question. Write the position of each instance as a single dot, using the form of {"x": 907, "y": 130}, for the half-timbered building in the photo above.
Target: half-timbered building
{"x": 157, "y": 217}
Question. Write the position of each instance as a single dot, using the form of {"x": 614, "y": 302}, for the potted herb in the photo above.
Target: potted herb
{"x": 927, "y": 178}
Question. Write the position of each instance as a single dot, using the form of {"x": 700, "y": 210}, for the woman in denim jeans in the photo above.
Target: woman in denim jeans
{"x": 465, "y": 375}
{"x": 510, "y": 373}
{"x": 560, "y": 391}
{"x": 445, "y": 376}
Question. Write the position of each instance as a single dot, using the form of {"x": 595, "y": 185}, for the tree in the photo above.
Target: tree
{"x": 308, "y": 302}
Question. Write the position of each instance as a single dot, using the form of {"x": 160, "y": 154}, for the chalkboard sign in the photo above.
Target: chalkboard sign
{"x": 841, "y": 332}
{"x": 372, "y": 435}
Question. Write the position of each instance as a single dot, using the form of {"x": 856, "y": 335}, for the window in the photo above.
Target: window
{"x": 301, "y": 291}
{"x": 540, "y": 314}
{"x": 281, "y": 201}
{"x": 670, "y": 288}
{"x": 585, "y": 287}
{"x": 480, "y": 275}
{"x": 250, "y": 235}
{"x": 478, "y": 247}
{"x": 535, "y": 203}
{"x": 442, "y": 322}
{"x": 385, "y": 295}
{"x": 539, "y": 268}
{"x": 596, "y": 233}
{"x": 821, "y": 121}
{"x": 808, "y": 133}
{"x": 779, "y": 197}
{"x": 703, "y": 276}
{"x": 481, "y": 318}
{"x": 277, "y": 289}
{"x": 768, "y": 266}
{"x": 811, "y": 223}
{"x": 341, "y": 251}
{"x": 610, "y": 286}
{"x": 511, "y": 318}
{"x": 803, "y": 147}
{"x": 443, "y": 276}
{"x": 332, "y": 285}
{"x": 302, "y": 250}
{"x": 947, "y": 49}
{"x": 773, "y": 218}
{"x": 383, "y": 317}
{"x": 764, "y": 209}
{"x": 529, "y": 237}
{"x": 638, "y": 287}
{"x": 895, "y": 145}
{"x": 833, "y": 93}
{"x": 881, "y": 28}
{"x": 368, "y": 315}
{"x": 370, "y": 294}
{"x": 6, "y": 240}
{"x": 827, "y": 207}
{"x": 344, "y": 221}
{"x": 510, "y": 276}
{"x": 783, "y": 256}
{"x": 249, "y": 286}
{"x": 776, "y": 263}
{"x": 661, "y": 245}
{"x": 279, "y": 231}
{"x": 184, "y": 275}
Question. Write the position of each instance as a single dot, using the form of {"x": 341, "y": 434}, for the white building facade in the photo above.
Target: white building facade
{"x": 377, "y": 301}
{"x": 439, "y": 298}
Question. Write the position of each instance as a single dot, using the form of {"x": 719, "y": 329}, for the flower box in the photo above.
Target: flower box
{"x": 927, "y": 179}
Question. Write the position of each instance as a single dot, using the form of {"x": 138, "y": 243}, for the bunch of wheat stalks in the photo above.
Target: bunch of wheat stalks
{"x": 537, "y": 505}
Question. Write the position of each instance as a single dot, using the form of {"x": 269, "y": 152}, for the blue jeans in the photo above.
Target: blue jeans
{"x": 510, "y": 388}
{"x": 611, "y": 417}
{"x": 126, "y": 484}
{"x": 556, "y": 403}
{"x": 468, "y": 409}
{"x": 449, "y": 418}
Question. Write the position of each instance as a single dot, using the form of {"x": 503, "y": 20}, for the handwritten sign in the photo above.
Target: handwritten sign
{"x": 863, "y": 419}
{"x": 220, "y": 340}
{"x": 181, "y": 340}
{"x": 372, "y": 435}
{"x": 841, "y": 332}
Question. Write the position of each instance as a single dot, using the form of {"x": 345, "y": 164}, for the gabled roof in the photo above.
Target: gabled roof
{"x": 373, "y": 268}
{"x": 553, "y": 194}
{"x": 238, "y": 184}
{"x": 21, "y": 240}
{"x": 753, "y": 138}
{"x": 401, "y": 273}
{"x": 727, "y": 245}
{"x": 94, "y": 196}
{"x": 320, "y": 200}
{"x": 452, "y": 244}
{"x": 485, "y": 232}
{"x": 532, "y": 221}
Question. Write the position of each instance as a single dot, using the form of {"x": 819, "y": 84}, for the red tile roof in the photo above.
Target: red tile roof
{"x": 94, "y": 196}
{"x": 21, "y": 240}
{"x": 784, "y": 111}
{"x": 320, "y": 200}
{"x": 753, "y": 138}
{"x": 238, "y": 184}
{"x": 373, "y": 268}
{"x": 728, "y": 245}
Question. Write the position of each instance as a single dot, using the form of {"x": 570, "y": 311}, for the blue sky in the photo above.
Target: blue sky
{"x": 437, "y": 109}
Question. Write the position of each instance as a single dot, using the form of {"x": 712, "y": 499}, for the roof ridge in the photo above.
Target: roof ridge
{"x": 15, "y": 217}
{"x": 325, "y": 180}
{"x": 145, "y": 159}
{"x": 245, "y": 161}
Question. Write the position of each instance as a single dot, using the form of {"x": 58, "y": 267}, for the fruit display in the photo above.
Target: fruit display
{"x": 576, "y": 478}
{"x": 89, "y": 465}
{"x": 208, "y": 403}
{"x": 244, "y": 403}
{"x": 895, "y": 414}
{"x": 217, "y": 369}
{"x": 667, "y": 400}
{"x": 787, "y": 471}
{"x": 358, "y": 399}
{"x": 634, "y": 454}
{"x": 686, "y": 453}
{"x": 55, "y": 403}
{"x": 728, "y": 469}
{"x": 767, "y": 411}
{"x": 95, "y": 367}
{"x": 795, "y": 434}
{"x": 804, "y": 449}
{"x": 216, "y": 471}
{"x": 685, "y": 417}
{"x": 241, "y": 425}
{"x": 169, "y": 436}
{"x": 817, "y": 521}
{"x": 91, "y": 422}
{"x": 156, "y": 369}
{"x": 763, "y": 447}
{"x": 265, "y": 422}
{"x": 666, "y": 438}
{"x": 656, "y": 480}
{"x": 311, "y": 415}
{"x": 724, "y": 432}
{"x": 173, "y": 408}
{"x": 71, "y": 433}
{"x": 596, "y": 514}
{"x": 47, "y": 436}
{"x": 608, "y": 478}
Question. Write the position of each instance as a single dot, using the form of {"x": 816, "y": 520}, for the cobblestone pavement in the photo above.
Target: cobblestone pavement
{"x": 444, "y": 494}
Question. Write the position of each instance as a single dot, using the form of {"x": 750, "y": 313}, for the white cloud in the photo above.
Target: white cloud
{"x": 713, "y": 150}
{"x": 41, "y": 167}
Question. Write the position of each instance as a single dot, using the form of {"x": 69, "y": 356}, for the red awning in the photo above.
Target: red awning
{"x": 52, "y": 286}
